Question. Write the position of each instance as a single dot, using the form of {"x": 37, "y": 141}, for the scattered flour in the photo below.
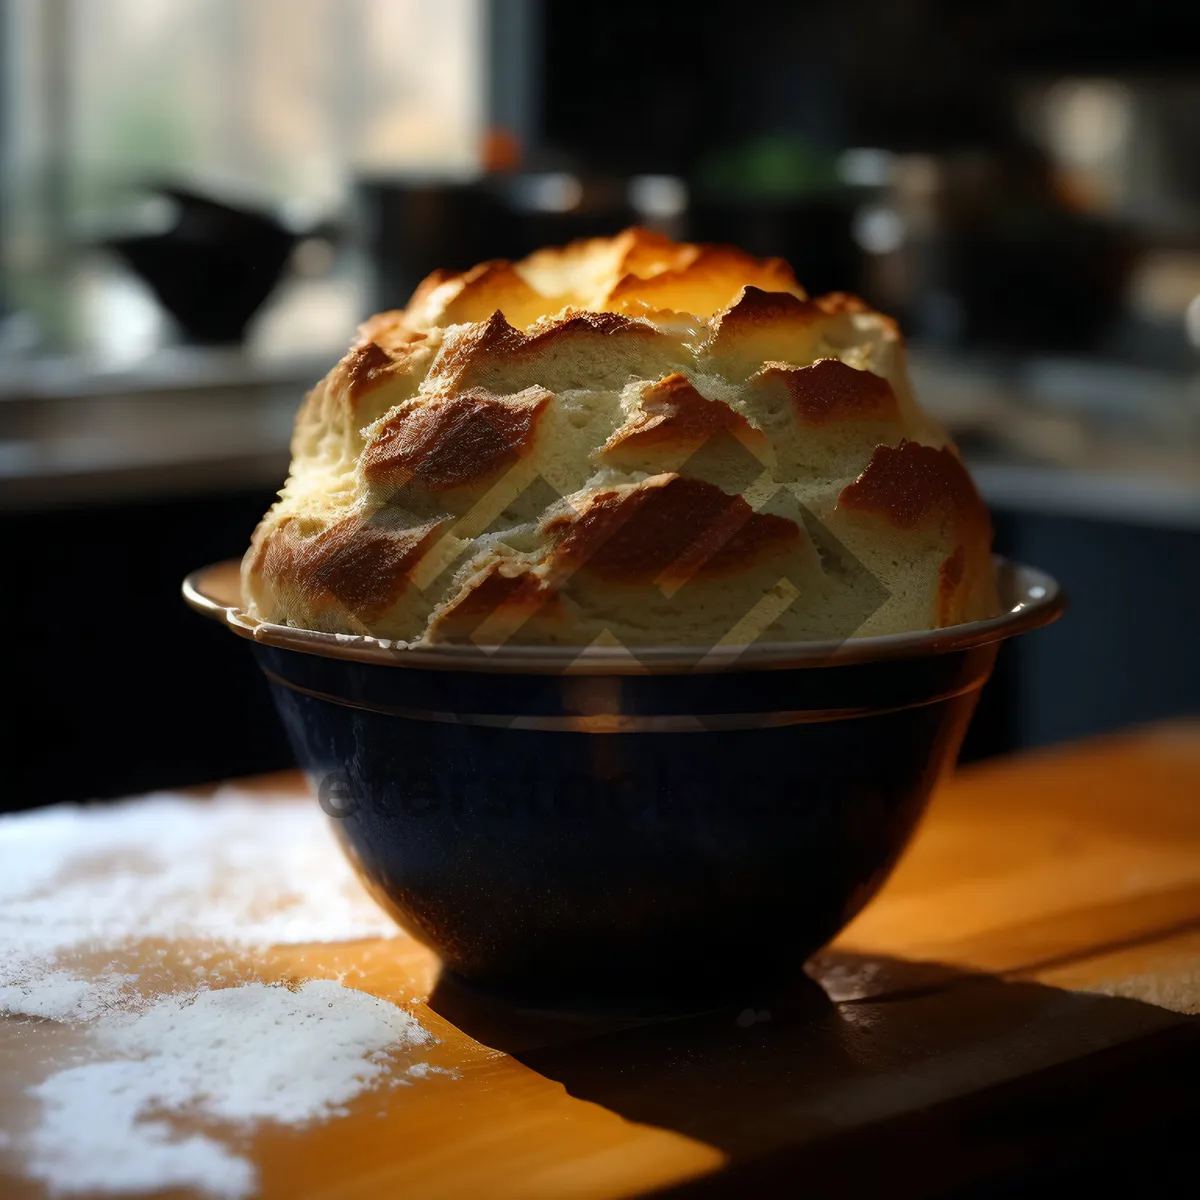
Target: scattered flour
{"x": 224, "y": 873}
{"x": 423, "y": 1070}
{"x": 164, "y": 866}
{"x": 60, "y": 994}
{"x": 244, "y": 1054}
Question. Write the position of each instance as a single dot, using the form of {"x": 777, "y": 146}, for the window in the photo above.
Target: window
{"x": 275, "y": 100}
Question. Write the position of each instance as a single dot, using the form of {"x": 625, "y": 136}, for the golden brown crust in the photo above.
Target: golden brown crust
{"x": 421, "y": 293}
{"x": 392, "y": 330}
{"x": 753, "y": 308}
{"x": 755, "y": 311}
{"x": 498, "y": 594}
{"x": 706, "y": 284}
{"x": 490, "y": 287}
{"x": 761, "y": 327}
{"x": 365, "y": 368}
{"x": 359, "y": 565}
{"x": 562, "y": 440}
{"x": 912, "y": 485}
{"x": 384, "y": 327}
{"x": 951, "y": 574}
{"x": 270, "y": 554}
{"x": 494, "y": 349}
{"x": 584, "y": 270}
{"x": 645, "y": 251}
{"x": 665, "y": 530}
{"x": 674, "y": 416}
{"x": 451, "y": 441}
{"x": 829, "y": 390}
{"x": 373, "y": 364}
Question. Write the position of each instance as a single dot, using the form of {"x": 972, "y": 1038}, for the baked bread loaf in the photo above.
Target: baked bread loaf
{"x": 627, "y": 439}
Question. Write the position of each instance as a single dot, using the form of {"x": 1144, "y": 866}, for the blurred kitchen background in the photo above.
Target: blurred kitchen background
{"x": 201, "y": 198}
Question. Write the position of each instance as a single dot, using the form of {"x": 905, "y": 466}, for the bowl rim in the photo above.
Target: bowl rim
{"x": 1031, "y": 597}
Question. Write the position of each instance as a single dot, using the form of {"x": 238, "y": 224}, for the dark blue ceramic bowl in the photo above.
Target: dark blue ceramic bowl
{"x": 606, "y": 832}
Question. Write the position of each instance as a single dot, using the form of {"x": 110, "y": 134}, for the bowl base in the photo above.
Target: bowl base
{"x": 772, "y": 991}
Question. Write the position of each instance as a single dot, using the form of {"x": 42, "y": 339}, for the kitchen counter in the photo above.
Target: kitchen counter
{"x": 142, "y": 446}
{"x": 1021, "y": 998}
{"x": 183, "y": 423}
{"x": 1076, "y": 438}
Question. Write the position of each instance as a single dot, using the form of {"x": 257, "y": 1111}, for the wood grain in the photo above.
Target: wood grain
{"x": 1026, "y": 983}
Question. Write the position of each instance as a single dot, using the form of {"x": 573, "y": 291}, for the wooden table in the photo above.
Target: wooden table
{"x": 1024, "y": 993}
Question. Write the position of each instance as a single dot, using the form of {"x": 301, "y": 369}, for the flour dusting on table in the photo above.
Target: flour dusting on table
{"x": 229, "y": 868}
{"x": 83, "y": 884}
{"x": 242, "y": 1054}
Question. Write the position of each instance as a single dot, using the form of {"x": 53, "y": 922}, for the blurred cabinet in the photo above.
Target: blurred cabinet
{"x": 1128, "y": 649}
{"x": 113, "y": 685}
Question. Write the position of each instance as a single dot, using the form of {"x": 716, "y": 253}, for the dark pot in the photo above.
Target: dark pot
{"x": 606, "y": 833}
{"x": 214, "y": 268}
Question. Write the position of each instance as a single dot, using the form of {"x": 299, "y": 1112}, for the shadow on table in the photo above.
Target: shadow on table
{"x": 915, "y": 1078}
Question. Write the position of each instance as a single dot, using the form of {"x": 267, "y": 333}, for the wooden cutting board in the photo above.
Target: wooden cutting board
{"x": 1025, "y": 991}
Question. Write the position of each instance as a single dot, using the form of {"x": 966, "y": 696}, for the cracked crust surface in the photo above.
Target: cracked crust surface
{"x": 627, "y": 437}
